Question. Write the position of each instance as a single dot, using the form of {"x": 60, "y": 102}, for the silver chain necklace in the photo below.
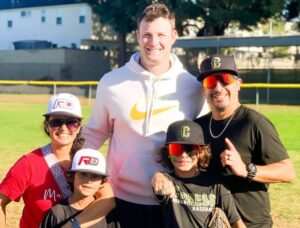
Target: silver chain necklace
{"x": 217, "y": 136}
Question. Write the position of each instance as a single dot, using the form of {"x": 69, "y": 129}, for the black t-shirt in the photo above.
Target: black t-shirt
{"x": 257, "y": 141}
{"x": 59, "y": 215}
{"x": 194, "y": 201}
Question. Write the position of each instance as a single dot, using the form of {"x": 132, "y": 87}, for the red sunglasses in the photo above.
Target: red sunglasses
{"x": 210, "y": 81}
{"x": 177, "y": 149}
{"x": 72, "y": 123}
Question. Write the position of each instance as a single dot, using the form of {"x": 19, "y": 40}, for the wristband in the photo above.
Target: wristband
{"x": 75, "y": 223}
{"x": 252, "y": 170}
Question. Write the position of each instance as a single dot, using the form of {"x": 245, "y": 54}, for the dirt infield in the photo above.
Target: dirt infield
{"x": 34, "y": 99}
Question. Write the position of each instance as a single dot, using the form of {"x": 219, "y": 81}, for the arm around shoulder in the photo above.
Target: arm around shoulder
{"x": 3, "y": 203}
{"x": 97, "y": 211}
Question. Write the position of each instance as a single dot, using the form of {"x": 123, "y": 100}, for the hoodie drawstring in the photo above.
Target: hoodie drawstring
{"x": 151, "y": 98}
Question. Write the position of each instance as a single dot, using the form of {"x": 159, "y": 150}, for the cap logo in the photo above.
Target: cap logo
{"x": 215, "y": 62}
{"x": 88, "y": 160}
{"x": 185, "y": 132}
{"x": 63, "y": 104}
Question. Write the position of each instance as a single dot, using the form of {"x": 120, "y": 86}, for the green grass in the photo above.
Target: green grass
{"x": 286, "y": 121}
{"x": 21, "y": 131}
{"x": 22, "y": 128}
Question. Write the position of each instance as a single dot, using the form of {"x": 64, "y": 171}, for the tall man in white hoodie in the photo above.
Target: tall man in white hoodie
{"x": 134, "y": 106}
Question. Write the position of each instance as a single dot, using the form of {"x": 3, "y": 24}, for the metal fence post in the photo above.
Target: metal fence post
{"x": 257, "y": 99}
{"x": 90, "y": 93}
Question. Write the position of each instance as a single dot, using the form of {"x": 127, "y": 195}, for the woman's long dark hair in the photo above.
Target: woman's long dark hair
{"x": 78, "y": 143}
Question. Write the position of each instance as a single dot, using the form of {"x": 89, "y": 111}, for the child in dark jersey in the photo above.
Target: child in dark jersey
{"x": 192, "y": 196}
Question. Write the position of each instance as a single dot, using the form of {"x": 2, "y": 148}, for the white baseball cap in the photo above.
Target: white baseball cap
{"x": 90, "y": 161}
{"x": 64, "y": 104}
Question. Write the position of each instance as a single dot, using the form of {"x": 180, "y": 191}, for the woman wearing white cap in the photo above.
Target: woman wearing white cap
{"x": 39, "y": 176}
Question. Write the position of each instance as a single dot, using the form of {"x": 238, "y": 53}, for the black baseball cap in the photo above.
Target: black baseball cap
{"x": 216, "y": 64}
{"x": 185, "y": 132}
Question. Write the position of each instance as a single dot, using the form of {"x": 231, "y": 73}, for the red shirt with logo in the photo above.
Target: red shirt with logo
{"x": 31, "y": 179}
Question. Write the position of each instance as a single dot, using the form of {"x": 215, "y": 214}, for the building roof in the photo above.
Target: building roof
{"x": 14, "y": 4}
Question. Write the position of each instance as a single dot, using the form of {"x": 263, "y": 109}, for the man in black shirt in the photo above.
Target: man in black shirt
{"x": 246, "y": 149}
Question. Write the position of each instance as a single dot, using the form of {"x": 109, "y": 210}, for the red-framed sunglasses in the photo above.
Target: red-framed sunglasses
{"x": 176, "y": 149}
{"x": 210, "y": 81}
{"x": 72, "y": 123}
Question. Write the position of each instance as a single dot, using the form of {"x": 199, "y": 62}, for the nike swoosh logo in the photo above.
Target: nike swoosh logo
{"x": 137, "y": 115}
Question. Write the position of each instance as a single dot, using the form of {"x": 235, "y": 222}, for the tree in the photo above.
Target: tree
{"x": 121, "y": 15}
{"x": 218, "y": 14}
{"x": 184, "y": 10}
{"x": 291, "y": 11}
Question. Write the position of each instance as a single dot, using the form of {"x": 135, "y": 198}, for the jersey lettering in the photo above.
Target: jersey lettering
{"x": 203, "y": 202}
{"x": 51, "y": 194}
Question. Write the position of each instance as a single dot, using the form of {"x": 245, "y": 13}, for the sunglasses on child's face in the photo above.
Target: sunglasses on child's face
{"x": 177, "y": 149}
{"x": 90, "y": 176}
{"x": 72, "y": 123}
{"x": 210, "y": 81}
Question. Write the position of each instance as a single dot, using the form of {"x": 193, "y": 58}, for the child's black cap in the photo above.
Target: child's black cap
{"x": 185, "y": 132}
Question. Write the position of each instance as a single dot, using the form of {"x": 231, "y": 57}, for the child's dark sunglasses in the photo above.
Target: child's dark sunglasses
{"x": 72, "y": 123}
{"x": 177, "y": 149}
{"x": 210, "y": 81}
{"x": 90, "y": 176}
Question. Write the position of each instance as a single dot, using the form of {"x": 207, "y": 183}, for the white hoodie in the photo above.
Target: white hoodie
{"x": 133, "y": 108}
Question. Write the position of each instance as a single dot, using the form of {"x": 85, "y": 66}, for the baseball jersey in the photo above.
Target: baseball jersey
{"x": 195, "y": 199}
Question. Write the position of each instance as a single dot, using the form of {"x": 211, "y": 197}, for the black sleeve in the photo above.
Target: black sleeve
{"x": 226, "y": 203}
{"x": 272, "y": 149}
{"x": 49, "y": 220}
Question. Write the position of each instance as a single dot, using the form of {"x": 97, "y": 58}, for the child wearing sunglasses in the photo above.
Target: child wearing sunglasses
{"x": 87, "y": 174}
{"x": 193, "y": 194}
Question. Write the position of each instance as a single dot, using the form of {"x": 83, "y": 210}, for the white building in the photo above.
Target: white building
{"x": 61, "y": 25}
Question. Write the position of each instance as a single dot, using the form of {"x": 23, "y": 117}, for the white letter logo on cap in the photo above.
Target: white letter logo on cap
{"x": 63, "y": 104}
{"x": 88, "y": 160}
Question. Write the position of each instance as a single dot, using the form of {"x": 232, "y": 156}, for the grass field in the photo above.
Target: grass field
{"x": 21, "y": 131}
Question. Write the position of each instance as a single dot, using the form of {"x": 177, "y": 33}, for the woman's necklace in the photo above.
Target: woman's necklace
{"x": 217, "y": 136}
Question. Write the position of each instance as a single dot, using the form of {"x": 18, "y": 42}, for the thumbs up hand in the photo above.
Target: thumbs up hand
{"x": 232, "y": 158}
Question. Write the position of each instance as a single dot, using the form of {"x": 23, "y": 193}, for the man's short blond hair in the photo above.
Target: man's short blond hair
{"x": 155, "y": 11}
